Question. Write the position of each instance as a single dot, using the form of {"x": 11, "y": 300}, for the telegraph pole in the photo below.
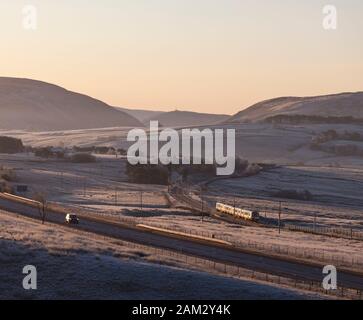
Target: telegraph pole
{"x": 84, "y": 187}
{"x": 141, "y": 200}
{"x": 315, "y": 222}
{"x": 201, "y": 198}
{"x": 280, "y": 217}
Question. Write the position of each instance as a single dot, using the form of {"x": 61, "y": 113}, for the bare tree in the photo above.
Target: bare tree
{"x": 42, "y": 206}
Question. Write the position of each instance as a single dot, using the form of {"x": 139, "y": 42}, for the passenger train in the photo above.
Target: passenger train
{"x": 238, "y": 212}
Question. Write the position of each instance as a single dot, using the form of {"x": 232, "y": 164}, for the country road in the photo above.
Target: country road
{"x": 271, "y": 265}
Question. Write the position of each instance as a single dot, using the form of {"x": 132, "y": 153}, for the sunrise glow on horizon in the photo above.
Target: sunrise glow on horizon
{"x": 200, "y": 55}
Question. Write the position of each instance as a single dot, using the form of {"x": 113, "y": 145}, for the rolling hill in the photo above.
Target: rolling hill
{"x": 140, "y": 114}
{"x": 335, "y": 105}
{"x": 187, "y": 118}
{"x": 38, "y": 106}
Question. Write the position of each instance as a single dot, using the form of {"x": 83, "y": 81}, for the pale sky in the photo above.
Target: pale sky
{"x": 216, "y": 56}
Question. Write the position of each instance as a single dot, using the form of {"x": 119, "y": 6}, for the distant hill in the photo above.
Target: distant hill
{"x": 335, "y": 105}
{"x": 187, "y": 118}
{"x": 141, "y": 115}
{"x": 38, "y": 106}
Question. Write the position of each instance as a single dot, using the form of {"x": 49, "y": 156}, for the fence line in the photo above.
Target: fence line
{"x": 321, "y": 255}
{"x": 303, "y": 253}
{"x": 332, "y": 232}
{"x": 239, "y": 272}
{"x": 233, "y": 270}
{"x": 347, "y": 233}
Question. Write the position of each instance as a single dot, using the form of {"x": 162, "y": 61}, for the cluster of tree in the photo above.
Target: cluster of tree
{"x": 100, "y": 150}
{"x": 83, "y": 158}
{"x": 332, "y": 135}
{"x": 6, "y": 187}
{"x": 161, "y": 174}
{"x": 311, "y": 119}
{"x": 7, "y": 174}
{"x": 48, "y": 152}
{"x": 242, "y": 167}
{"x": 11, "y": 145}
{"x": 61, "y": 153}
{"x": 58, "y": 153}
{"x": 318, "y": 143}
{"x": 294, "y": 194}
{"x": 148, "y": 174}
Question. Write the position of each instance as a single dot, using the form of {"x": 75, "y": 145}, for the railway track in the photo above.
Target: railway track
{"x": 219, "y": 253}
{"x": 180, "y": 194}
{"x": 205, "y": 209}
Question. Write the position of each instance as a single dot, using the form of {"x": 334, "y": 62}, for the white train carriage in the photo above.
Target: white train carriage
{"x": 238, "y": 212}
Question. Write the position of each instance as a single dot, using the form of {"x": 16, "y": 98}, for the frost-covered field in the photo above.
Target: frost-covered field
{"x": 83, "y": 266}
{"x": 81, "y": 138}
{"x": 102, "y": 187}
{"x": 256, "y": 142}
{"x": 89, "y": 184}
{"x": 337, "y": 194}
{"x": 92, "y": 188}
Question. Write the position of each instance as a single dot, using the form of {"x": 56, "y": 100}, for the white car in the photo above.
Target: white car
{"x": 72, "y": 219}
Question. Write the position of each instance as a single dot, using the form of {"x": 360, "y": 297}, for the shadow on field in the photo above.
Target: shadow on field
{"x": 75, "y": 274}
